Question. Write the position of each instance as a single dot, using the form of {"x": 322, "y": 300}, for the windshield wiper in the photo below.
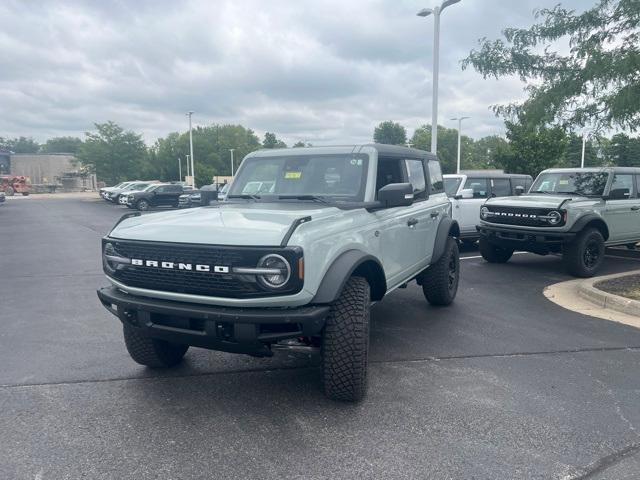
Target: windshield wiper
{"x": 314, "y": 198}
{"x": 546, "y": 192}
{"x": 245, "y": 196}
{"x": 576, "y": 193}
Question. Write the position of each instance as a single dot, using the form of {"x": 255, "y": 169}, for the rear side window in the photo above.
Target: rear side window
{"x": 500, "y": 187}
{"x": 519, "y": 182}
{"x": 480, "y": 187}
{"x": 435, "y": 177}
{"x": 415, "y": 173}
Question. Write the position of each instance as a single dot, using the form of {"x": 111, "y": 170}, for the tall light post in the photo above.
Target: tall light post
{"x": 459, "y": 119}
{"x": 193, "y": 174}
{"x": 231, "y": 150}
{"x": 179, "y": 169}
{"x": 425, "y": 12}
{"x": 188, "y": 171}
{"x": 584, "y": 146}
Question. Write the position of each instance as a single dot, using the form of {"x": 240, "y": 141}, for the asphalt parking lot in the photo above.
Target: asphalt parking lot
{"x": 502, "y": 385}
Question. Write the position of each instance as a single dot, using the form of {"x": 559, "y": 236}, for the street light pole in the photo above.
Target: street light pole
{"x": 231, "y": 150}
{"x": 188, "y": 170}
{"x": 193, "y": 175}
{"x": 459, "y": 119}
{"x": 425, "y": 12}
{"x": 584, "y": 146}
{"x": 179, "y": 169}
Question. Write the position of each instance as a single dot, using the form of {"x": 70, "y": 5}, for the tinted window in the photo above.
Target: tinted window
{"x": 582, "y": 183}
{"x": 519, "y": 182}
{"x": 389, "y": 171}
{"x": 435, "y": 177}
{"x": 500, "y": 187}
{"x": 623, "y": 182}
{"x": 173, "y": 188}
{"x": 480, "y": 187}
{"x": 415, "y": 174}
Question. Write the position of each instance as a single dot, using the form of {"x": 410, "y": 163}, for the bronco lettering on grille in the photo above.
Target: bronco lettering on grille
{"x": 179, "y": 266}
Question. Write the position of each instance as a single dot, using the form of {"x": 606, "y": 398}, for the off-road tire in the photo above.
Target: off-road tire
{"x": 10, "y": 191}
{"x": 151, "y": 352}
{"x": 493, "y": 253}
{"x": 142, "y": 205}
{"x": 577, "y": 255}
{"x": 345, "y": 343}
{"x": 440, "y": 280}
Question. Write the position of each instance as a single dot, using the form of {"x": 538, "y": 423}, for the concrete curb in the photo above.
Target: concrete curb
{"x": 588, "y": 290}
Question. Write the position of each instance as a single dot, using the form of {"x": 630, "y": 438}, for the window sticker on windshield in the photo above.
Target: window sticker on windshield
{"x": 356, "y": 161}
{"x": 293, "y": 175}
{"x": 564, "y": 182}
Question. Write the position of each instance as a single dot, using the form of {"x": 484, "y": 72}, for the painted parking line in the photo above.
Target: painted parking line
{"x": 480, "y": 256}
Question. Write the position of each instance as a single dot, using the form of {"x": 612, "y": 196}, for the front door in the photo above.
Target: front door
{"x": 622, "y": 209}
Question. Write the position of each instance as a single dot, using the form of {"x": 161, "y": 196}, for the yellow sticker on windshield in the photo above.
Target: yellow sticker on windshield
{"x": 293, "y": 175}
{"x": 564, "y": 182}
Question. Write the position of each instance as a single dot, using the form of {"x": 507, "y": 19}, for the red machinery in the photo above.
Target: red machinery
{"x": 11, "y": 184}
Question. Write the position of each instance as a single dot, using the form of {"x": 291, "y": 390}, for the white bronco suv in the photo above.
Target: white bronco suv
{"x": 295, "y": 266}
{"x": 575, "y": 212}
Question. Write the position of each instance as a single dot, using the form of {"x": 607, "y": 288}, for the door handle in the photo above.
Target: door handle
{"x": 435, "y": 214}
{"x": 635, "y": 208}
{"x": 412, "y": 221}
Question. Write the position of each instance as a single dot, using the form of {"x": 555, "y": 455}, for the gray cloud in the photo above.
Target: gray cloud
{"x": 325, "y": 72}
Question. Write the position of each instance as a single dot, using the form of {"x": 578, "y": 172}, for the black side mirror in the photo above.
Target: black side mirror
{"x": 618, "y": 194}
{"x": 396, "y": 195}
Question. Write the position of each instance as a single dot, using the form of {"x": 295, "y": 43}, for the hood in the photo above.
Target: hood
{"x": 250, "y": 224}
{"x": 536, "y": 201}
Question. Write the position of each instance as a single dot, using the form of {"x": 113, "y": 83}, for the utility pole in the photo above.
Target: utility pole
{"x": 584, "y": 146}
{"x": 179, "y": 169}
{"x": 188, "y": 168}
{"x": 425, "y": 12}
{"x": 193, "y": 174}
{"x": 231, "y": 150}
{"x": 459, "y": 119}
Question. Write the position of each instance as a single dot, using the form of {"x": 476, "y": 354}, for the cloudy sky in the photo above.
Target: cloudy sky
{"x": 321, "y": 71}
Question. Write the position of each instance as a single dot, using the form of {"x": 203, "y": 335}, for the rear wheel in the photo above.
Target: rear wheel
{"x": 584, "y": 255}
{"x": 493, "y": 253}
{"x": 142, "y": 205}
{"x": 440, "y": 280}
{"x": 345, "y": 343}
{"x": 151, "y": 352}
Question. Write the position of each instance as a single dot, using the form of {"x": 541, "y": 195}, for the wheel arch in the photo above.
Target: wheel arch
{"x": 348, "y": 264}
{"x": 591, "y": 221}
{"x": 448, "y": 228}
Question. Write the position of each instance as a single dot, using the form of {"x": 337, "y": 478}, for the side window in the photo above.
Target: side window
{"x": 435, "y": 177}
{"x": 623, "y": 184}
{"x": 500, "y": 187}
{"x": 389, "y": 171}
{"x": 415, "y": 174}
{"x": 518, "y": 182}
{"x": 161, "y": 189}
{"x": 480, "y": 187}
{"x": 527, "y": 184}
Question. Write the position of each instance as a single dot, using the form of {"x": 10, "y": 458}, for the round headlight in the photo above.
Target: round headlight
{"x": 554, "y": 217}
{"x": 484, "y": 211}
{"x": 276, "y": 263}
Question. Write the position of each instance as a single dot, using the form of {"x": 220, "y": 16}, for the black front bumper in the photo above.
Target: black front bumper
{"x": 531, "y": 240}
{"x": 229, "y": 329}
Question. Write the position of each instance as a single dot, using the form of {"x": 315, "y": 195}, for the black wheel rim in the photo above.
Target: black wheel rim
{"x": 452, "y": 272}
{"x": 591, "y": 255}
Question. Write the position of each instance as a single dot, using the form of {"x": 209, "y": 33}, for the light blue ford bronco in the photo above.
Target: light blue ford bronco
{"x": 294, "y": 263}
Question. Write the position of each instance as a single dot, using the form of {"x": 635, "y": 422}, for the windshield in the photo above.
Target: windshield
{"x": 451, "y": 185}
{"x": 338, "y": 178}
{"x": 151, "y": 187}
{"x": 225, "y": 188}
{"x": 135, "y": 186}
{"x": 580, "y": 183}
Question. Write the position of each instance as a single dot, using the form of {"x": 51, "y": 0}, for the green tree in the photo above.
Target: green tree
{"x": 19, "y": 145}
{"x": 485, "y": 151}
{"x": 623, "y": 151}
{"x": 62, "y": 145}
{"x": 596, "y": 83}
{"x": 390, "y": 133}
{"x": 271, "y": 141}
{"x": 447, "y": 146}
{"x": 112, "y": 153}
{"x": 301, "y": 144}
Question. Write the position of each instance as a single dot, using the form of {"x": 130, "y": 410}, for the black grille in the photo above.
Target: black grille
{"x": 197, "y": 282}
{"x": 529, "y": 217}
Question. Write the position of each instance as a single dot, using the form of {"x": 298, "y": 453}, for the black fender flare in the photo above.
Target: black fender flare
{"x": 448, "y": 228}
{"x": 597, "y": 221}
{"x": 342, "y": 268}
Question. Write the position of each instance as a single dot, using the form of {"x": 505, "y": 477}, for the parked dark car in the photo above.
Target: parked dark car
{"x": 195, "y": 198}
{"x": 161, "y": 195}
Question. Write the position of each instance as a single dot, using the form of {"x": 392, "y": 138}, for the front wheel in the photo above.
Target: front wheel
{"x": 142, "y": 205}
{"x": 440, "y": 280}
{"x": 9, "y": 191}
{"x": 493, "y": 253}
{"x": 151, "y": 352}
{"x": 345, "y": 343}
{"x": 584, "y": 255}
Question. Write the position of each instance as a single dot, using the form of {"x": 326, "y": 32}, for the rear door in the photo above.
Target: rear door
{"x": 621, "y": 214}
